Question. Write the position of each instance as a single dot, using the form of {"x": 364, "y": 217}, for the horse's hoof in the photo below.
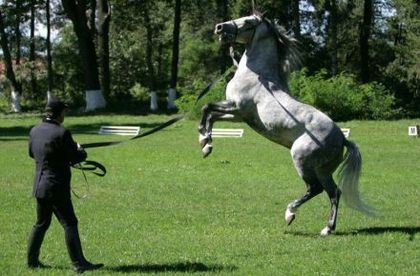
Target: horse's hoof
{"x": 289, "y": 216}
{"x": 326, "y": 231}
{"x": 203, "y": 140}
{"x": 207, "y": 150}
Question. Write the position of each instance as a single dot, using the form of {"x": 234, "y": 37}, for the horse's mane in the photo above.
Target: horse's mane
{"x": 289, "y": 54}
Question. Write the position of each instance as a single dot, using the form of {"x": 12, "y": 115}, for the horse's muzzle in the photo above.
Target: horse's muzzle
{"x": 226, "y": 32}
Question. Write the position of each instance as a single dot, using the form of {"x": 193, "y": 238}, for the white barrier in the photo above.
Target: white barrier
{"x": 227, "y": 132}
{"x": 120, "y": 130}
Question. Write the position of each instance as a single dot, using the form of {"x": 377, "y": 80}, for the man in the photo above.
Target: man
{"x": 54, "y": 151}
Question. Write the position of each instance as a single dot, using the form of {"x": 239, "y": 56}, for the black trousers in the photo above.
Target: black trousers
{"x": 62, "y": 208}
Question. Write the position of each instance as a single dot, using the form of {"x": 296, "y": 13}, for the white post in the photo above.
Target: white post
{"x": 49, "y": 96}
{"x": 16, "y": 102}
{"x": 153, "y": 101}
{"x": 171, "y": 98}
{"x": 94, "y": 100}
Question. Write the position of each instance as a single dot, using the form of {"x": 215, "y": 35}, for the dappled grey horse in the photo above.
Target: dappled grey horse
{"x": 258, "y": 94}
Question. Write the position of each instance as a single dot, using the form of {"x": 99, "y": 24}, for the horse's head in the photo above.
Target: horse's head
{"x": 250, "y": 30}
{"x": 240, "y": 30}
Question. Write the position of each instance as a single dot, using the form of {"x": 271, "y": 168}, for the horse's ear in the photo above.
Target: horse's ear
{"x": 259, "y": 14}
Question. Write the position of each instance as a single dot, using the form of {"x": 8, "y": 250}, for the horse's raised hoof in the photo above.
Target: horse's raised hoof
{"x": 326, "y": 231}
{"x": 203, "y": 140}
{"x": 289, "y": 216}
{"x": 207, "y": 150}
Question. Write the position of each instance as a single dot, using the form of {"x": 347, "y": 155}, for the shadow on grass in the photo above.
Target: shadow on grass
{"x": 10, "y": 133}
{"x": 170, "y": 267}
{"x": 410, "y": 231}
{"x": 6, "y": 132}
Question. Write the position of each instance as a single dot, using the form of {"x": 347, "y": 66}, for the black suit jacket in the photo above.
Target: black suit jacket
{"x": 54, "y": 150}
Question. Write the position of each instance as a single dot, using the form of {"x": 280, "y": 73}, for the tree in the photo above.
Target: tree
{"x": 149, "y": 57}
{"x": 104, "y": 18}
{"x": 49, "y": 57}
{"x": 175, "y": 56}
{"x": 365, "y": 31}
{"x": 402, "y": 73}
{"x": 76, "y": 11}
{"x": 10, "y": 74}
{"x": 32, "y": 57}
{"x": 332, "y": 25}
{"x": 295, "y": 11}
{"x": 223, "y": 14}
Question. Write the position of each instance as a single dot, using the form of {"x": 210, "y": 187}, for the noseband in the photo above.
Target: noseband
{"x": 235, "y": 35}
{"x": 237, "y": 29}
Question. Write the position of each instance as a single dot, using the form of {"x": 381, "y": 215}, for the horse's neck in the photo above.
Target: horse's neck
{"x": 260, "y": 62}
{"x": 261, "y": 59}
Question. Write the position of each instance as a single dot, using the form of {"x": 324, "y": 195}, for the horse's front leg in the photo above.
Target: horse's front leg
{"x": 212, "y": 112}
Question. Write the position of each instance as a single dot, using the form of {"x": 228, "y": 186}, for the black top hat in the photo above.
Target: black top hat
{"x": 55, "y": 106}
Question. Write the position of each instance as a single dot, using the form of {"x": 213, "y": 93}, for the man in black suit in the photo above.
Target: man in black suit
{"x": 54, "y": 151}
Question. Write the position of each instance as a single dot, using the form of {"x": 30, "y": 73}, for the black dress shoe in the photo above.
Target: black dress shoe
{"x": 87, "y": 266}
{"x": 37, "y": 264}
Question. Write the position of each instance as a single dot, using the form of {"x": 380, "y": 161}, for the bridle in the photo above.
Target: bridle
{"x": 235, "y": 35}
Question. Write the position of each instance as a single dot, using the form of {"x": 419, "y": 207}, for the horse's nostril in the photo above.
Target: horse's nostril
{"x": 219, "y": 28}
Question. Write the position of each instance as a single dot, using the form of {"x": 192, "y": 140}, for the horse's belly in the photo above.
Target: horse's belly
{"x": 273, "y": 131}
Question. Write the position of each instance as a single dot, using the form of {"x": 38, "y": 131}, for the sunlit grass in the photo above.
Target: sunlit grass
{"x": 162, "y": 208}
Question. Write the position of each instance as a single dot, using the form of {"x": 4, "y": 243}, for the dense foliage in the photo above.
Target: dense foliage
{"x": 342, "y": 98}
{"x": 141, "y": 38}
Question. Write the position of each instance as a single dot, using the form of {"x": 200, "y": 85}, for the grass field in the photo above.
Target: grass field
{"x": 164, "y": 209}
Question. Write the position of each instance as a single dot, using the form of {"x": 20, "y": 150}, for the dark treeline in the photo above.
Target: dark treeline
{"x": 117, "y": 53}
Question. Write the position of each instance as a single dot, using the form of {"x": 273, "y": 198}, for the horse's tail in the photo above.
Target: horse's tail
{"x": 348, "y": 179}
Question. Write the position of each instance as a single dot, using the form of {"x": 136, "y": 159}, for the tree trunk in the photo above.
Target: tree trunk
{"x": 175, "y": 56}
{"x": 365, "y": 30}
{"x": 296, "y": 18}
{"x": 149, "y": 60}
{"x": 91, "y": 17}
{"x": 104, "y": 18}
{"x": 18, "y": 32}
{"x": 333, "y": 37}
{"x": 49, "y": 59}
{"x": 32, "y": 57}
{"x": 77, "y": 14}
{"x": 10, "y": 74}
{"x": 224, "y": 49}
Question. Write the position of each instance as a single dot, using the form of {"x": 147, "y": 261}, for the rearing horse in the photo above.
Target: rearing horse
{"x": 258, "y": 94}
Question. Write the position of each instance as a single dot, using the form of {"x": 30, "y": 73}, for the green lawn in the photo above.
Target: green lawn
{"x": 162, "y": 208}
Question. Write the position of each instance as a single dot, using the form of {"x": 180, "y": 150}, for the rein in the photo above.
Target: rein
{"x": 99, "y": 169}
{"x": 153, "y": 130}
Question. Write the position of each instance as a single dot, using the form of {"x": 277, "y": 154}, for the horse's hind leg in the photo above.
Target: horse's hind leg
{"x": 314, "y": 188}
{"x": 334, "y": 194}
